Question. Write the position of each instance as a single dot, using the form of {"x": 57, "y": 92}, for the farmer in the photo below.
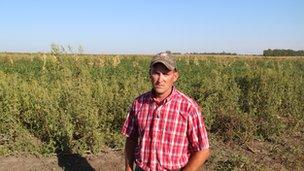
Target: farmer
{"x": 164, "y": 127}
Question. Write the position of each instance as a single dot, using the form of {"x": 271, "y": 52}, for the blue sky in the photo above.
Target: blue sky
{"x": 148, "y": 27}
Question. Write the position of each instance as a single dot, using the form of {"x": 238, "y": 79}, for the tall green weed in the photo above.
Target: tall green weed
{"x": 77, "y": 104}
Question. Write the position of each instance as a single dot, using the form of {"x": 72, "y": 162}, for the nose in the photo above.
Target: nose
{"x": 160, "y": 77}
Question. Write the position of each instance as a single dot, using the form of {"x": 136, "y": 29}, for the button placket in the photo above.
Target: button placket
{"x": 155, "y": 131}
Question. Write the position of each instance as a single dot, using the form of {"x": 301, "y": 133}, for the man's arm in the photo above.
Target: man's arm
{"x": 129, "y": 152}
{"x": 197, "y": 159}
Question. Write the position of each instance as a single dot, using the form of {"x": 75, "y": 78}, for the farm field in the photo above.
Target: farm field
{"x": 54, "y": 105}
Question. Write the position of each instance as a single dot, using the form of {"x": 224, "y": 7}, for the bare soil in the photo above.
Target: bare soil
{"x": 109, "y": 160}
{"x": 280, "y": 154}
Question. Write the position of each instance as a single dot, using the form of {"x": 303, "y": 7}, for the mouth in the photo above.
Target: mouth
{"x": 158, "y": 86}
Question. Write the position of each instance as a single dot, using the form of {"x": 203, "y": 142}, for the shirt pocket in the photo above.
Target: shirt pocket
{"x": 176, "y": 128}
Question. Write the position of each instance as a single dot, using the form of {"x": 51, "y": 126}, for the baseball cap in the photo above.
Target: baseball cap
{"x": 164, "y": 58}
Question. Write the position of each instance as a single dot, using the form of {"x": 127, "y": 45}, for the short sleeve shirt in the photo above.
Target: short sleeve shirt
{"x": 167, "y": 132}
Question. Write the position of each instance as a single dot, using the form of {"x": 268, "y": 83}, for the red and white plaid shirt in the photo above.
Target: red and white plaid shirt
{"x": 167, "y": 133}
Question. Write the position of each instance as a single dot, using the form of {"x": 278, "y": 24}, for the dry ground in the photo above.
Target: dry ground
{"x": 279, "y": 154}
{"x": 110, "y": 160}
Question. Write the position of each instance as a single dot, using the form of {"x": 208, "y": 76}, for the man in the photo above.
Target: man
{"x": 164, "y": 127}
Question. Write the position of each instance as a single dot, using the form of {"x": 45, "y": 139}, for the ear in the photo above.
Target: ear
{"x": 176, "y": 75}
{"x": 150, "y": 74}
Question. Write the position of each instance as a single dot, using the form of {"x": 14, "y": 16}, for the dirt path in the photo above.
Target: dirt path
{"x": 110, "y": 160}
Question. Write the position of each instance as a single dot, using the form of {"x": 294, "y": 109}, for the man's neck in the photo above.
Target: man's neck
{"x": 160, "y": 97}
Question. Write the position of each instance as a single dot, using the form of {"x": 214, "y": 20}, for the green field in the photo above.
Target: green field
{"x": 253, "y": 106}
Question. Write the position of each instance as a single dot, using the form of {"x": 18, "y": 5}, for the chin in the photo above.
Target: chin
{"x": 158, "y": 91}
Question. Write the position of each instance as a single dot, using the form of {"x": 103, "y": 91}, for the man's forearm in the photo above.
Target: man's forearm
{"x": 129, "y": 153}
{"x": 197, "y": 160}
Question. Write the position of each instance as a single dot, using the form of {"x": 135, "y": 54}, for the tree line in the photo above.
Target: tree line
{"x": 202, "y": 53}
{"x": 283, "y": 52}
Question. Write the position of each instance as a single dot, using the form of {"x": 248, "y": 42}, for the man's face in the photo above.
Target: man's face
{"x": 162, "y": 79}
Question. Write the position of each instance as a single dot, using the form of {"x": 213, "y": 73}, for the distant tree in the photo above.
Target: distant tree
{"x": 168, "y": 52}
{"x": 282, "y": 52}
